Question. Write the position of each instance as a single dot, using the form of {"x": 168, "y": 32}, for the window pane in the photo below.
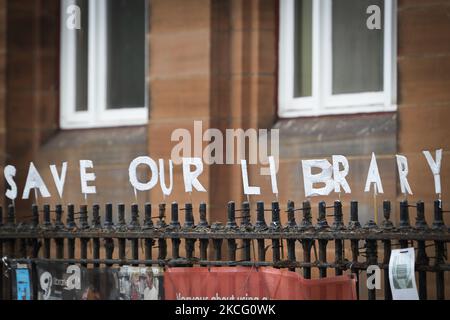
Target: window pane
{"x": 126, "y": 53}
{"x": 303, "y": 48}
{"x": 80, "y": 39}
{"x": 357, "y": 51}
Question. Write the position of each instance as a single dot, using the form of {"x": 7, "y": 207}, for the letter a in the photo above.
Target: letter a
{"x": 373, "y": 176}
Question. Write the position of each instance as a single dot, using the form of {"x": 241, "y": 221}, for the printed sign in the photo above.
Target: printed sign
{"x": 23, "y": 283}
{"x": 100, "y": 284}
{"x": 327, "y": 177}
{"x": 140, "y": 283}
{"x": 246, "y": 283}
{"x": 401, "y": 275}
{"x": 58, "y": 281}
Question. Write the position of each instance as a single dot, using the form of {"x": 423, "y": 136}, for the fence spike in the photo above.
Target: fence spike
{"x": 174, "y": 223}
{"x": 134, "y": 223}
{"x": 291, "y": 214}
{"x": 275, "y": 224}
{"x": 202, "y": 211}
{"x": 47, "y": 223}
{"x": 84, "y": 217}
{"x": 438, "y": 223}
{"x": 161, "y": 215}
{"x": 11, "y": 217}
{"x": 121, "y": 210}
{"x": 306, "y": 222}
{"x": 108, "y": 216}
{"x": 148, "y": 223}
{"x": 421, "y": 224}
{"x": 96, "y": 216}
{"x": 35, "y": 217}
{"x": 58, "y": 221}
{"x": 322, "y": 218}
{"x": 260, "y": 221}
{"x": 354, "y": 219}
{"x": 189, "y": 220}
{"x": 338, "y": 223}
{"x": 245, "y": 211}
{"x": 387, "y": 224}
{"x": 231, "y": 216}
{"x": 404, "y": 215}
{"x": 71, "y": 217}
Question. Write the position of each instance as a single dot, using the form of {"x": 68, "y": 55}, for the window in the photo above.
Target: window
{"x": 103, "y": 64}
{"x": 331, "y": 62}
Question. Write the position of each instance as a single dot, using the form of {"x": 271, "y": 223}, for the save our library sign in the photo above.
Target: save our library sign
{"x": 330, "y": 176}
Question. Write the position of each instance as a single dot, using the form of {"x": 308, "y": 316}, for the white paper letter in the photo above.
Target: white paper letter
{"x": 190, "y": 177}
{"x": 402, "y": 166}
{"x": 166, "y": 190}
{"x": 34, "y": 180}
{"x": 247, "y": 189}
{"x": 133, "y": 176}
{"x": 435, "y": 167}
{"x": 373, "y": 176}
{"x": 10, "y": 172}
{"x": 85, "y": 177}
{"x": 273, "y": 174}
{"x": 324, "y": 176}
{"x": 59, "y": 181}
{"x": 339, "y": 176}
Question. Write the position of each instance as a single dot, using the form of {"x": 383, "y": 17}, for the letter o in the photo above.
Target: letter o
{"x": 133, "y": 177}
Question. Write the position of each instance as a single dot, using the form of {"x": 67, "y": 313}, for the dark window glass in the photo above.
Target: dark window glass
{"x": 357, "y": 50}
{"x": 303, "y": 48}
{"x": 126, "y": 31}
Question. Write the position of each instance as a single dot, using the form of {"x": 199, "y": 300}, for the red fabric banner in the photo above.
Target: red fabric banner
{"x": 248, "y": 283}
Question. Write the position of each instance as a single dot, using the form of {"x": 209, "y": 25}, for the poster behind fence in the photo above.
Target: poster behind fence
{"x": 402, "y": 275}
{"x": 60, "y": 281}
{"x": 22, "y": 290}
{"x": 141, "y": 283}
{"x": 100, "y": 284}
{"x": 247, "y": 283}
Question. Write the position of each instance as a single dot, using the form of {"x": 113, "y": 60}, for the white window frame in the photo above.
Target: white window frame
{"x": 97, "y": 114}
{"x": 322, "y": 101}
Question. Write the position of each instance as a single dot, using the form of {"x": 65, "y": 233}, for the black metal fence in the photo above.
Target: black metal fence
{"x": 219, "y": 244}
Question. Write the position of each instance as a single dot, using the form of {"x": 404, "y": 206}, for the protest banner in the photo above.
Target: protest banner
{"x": 249, "y": 283}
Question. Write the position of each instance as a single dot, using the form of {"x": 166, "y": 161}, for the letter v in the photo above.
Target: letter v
{"x": 59, "y": 181}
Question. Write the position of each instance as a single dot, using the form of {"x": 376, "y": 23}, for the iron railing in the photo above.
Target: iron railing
{"x": 219, "y": 244}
